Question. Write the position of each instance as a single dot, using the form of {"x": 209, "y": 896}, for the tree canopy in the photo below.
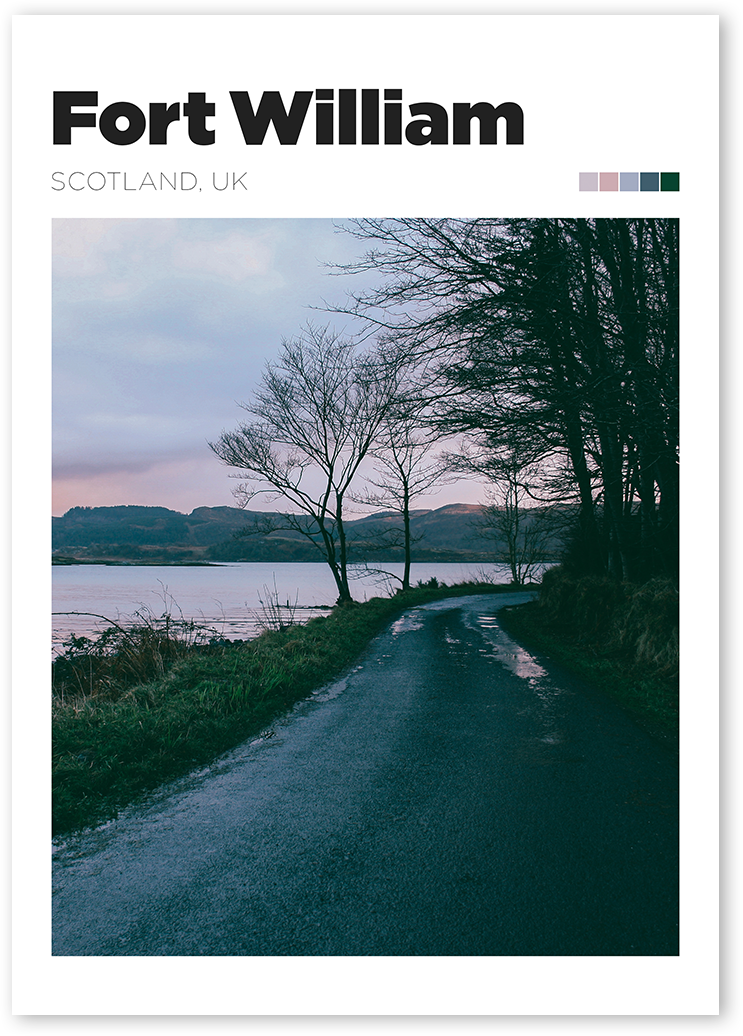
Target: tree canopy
{"x": 561, "y": 334}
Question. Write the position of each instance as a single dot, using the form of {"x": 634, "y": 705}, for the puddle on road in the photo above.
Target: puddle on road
{"x": 407, "y": 623}
{"x": 546, "y": 705}
{"x": 508, "y": 652}
{"x": 332, "y": 691}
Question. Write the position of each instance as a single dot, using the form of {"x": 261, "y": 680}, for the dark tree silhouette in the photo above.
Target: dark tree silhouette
{"x": 563, "y": 333}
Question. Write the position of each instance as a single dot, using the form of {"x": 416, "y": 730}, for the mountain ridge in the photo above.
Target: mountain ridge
{"x": 139, "y": 532}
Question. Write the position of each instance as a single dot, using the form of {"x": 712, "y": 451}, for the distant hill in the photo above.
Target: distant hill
{"x": 157, "y": 534}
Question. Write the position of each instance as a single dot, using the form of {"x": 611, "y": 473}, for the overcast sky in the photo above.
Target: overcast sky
{"x": 160, "y": 327}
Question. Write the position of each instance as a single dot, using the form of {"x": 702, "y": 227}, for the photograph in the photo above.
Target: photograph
{"x": 365, "y": 587}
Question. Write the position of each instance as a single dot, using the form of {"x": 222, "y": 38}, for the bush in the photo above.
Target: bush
{"x": 648, "y": 627}
{"x": 637, "y": 623}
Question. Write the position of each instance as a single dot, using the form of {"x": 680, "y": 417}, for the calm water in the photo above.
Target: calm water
{"x": 225, "y": 597}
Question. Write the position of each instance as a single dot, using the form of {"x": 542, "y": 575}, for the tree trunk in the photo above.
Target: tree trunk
{"x": 406, "y": 530}
{"x": 344, "y": 593}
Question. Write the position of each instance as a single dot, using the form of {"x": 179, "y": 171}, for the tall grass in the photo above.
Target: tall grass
{"x": 125, "y": 654}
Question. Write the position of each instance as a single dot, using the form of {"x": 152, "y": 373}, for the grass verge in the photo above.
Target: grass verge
{"x": 130, "y": 736}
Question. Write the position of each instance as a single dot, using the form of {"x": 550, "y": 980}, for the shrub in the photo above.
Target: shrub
{"x": 648, "y": 628}
{"x": 638, "y": 623}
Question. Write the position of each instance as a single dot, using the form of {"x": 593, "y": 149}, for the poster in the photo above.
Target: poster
{"x": 158, "y": 118}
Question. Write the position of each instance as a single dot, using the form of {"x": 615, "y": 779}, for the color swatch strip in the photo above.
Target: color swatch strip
{"x": 628, "y": 181}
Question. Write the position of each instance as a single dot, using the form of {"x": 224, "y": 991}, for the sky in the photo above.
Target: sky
{"x": 161, "y": 327}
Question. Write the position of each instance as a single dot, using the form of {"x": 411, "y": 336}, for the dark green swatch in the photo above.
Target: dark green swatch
{"x": 669, "y": 181}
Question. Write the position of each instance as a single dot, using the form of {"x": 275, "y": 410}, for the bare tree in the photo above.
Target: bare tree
{"x": 526, "y": 511}
{"x": 524, "y": 532}
{"x": 404, "y": 471}
{"x": 317, "y": 413}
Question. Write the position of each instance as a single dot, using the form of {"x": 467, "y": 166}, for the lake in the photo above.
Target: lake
{"x": 226, "y": 597}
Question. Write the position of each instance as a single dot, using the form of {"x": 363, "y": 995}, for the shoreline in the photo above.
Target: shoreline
{"x": 67, "y": 562}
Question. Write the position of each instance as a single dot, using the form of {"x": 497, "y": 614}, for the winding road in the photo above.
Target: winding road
{"x": 451, "y": 795}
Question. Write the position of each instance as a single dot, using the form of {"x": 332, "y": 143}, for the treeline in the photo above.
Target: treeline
{"x": 554, "y": 345}
{"x": 144, "y": 526}
{"x": 541, "y": 355}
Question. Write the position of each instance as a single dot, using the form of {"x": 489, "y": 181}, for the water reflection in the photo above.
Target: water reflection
{"x": 545, "y": 704}
{"x": 508, "y": 652}
{"x": 407, "y": 623}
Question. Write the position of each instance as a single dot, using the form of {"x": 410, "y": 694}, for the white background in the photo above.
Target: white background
{"x": 632, "y": 94}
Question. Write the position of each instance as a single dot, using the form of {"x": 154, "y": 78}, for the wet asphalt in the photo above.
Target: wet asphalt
{"x": 452, "y": 795}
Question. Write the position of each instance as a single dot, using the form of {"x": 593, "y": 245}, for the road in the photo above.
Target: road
{"x": 451, "y": 795}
